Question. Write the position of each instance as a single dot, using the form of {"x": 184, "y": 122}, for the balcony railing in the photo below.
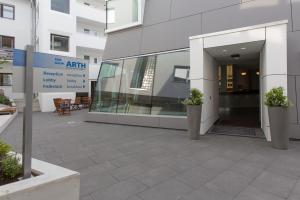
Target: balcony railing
{"x": 90, "y": 41}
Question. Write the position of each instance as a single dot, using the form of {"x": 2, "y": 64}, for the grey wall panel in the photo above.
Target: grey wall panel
{"x": 156, "y": 11}
{"x": 121, "y": 44}
{"x": 293, "y": 112}
{"x": 294, "y": 53}
{"x": 298, "y": 97}
{"x": 246, "y": 14}
{"x": 170, "y": 35}
{"x": 294, "y": 130}
{"x": 181, "y": 8}
{"x": 296, "y": 14}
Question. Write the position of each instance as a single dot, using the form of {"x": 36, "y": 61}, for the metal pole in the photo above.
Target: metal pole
{"x": 27, "y": 114}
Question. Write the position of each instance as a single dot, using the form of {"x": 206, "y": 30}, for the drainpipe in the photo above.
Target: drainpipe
{"x": 33, "y": 21}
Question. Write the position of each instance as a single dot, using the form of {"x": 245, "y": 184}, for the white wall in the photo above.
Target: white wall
{"x": 46, "y": 100}
{"x": 204, "y": 77}
{"x": 50, "y": 21}
{"x": 20, "y": 28}
{"x": 273, "y": 67}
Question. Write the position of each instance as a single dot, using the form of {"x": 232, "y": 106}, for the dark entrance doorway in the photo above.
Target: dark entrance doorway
{"x": 239, "y": 95}
{"x": 239, "y": 100}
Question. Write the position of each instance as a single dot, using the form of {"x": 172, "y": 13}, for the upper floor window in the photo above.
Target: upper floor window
{"x": 7, "y": 11}
{"x": 61, "y": 6}
{"x": 59, "y": 43}
{"x": 7, "y": 42}
{"x": 121, "y": 14}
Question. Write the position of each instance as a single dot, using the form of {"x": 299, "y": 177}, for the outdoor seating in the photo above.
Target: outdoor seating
{"x": 86, "y": 101}
{"x": 57, "y": 103}
{"x": 62, "y": 106}
{"x": 76, "y": 105}
{"x": 66, "y": 106}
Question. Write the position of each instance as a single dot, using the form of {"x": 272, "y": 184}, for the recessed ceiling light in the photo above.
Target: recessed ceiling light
{"x": 244, "y": 73}
{"x": 243, "y": 48}
{"x": 224, "y": 50}
{"x": 257, "y": 73}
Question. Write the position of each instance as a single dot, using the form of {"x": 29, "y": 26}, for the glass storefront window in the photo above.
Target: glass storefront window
{"x": 136, "y": 85}
{"x": 150, "y": 85}
{"x": 171, "y": 85}
{"x": 106, "y": 92}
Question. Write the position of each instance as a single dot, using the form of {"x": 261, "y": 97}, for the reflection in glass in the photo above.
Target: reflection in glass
{"x": 150, "y": 85}
{"x": 107, "y": 90}
{"x": 171, "y": 85}
{"x": 122, "y": 12}
{"x": 136, "y": 85}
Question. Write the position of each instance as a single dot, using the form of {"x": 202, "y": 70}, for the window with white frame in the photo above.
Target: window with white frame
{"x": 61, "y": 6}
{"x": 122, "y": 14}
{"x": 7, "y": 11}
{"x": 59, "y": 43}
{"x": 7, "y": 42}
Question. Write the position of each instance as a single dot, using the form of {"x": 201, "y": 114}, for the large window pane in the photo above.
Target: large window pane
{"x": 59, "y": 43}
{"x": 122, "y": 12}
{"x": 5, "y": 79}
{"x": 107, "y": 90}
{"x": 8, "y": 11}
{"x": 61, "y": 6}
{"x": 136, "y": 85}
{"x": 171, "y": 85}
{"x": 7, "y": 42}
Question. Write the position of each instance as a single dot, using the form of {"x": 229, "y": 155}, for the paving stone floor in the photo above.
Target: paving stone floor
{"x": 135, "y": 163}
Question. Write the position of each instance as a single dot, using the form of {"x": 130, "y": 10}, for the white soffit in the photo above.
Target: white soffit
{"x": 236, "y": 36}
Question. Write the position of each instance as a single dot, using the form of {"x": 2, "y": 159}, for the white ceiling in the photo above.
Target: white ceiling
{"x": 249, "y": 53}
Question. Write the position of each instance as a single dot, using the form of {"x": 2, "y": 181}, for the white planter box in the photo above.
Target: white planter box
{"x": 53, "y": 183}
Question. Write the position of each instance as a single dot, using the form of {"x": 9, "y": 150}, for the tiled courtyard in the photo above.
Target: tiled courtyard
{"x": 136, "y": 163}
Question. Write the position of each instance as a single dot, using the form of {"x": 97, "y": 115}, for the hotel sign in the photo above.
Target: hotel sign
{"x": 51, "y": 73}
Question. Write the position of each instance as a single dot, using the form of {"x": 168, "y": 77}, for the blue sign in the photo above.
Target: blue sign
{"x": 51, "y": 73}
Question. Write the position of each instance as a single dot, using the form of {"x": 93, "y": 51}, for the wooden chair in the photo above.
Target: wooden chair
{"x": 86, "y": 101}
{"x": 77, "y": 104}
{"x": 66, "y": 106}
{"x": 57, "y": 104}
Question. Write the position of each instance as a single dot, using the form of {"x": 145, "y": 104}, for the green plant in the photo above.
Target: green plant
{"x": 276, "y": 98}
{"x": 196, "y": 98}
{"x": 10, "y": 167}
{"x": 4, "y": 149}
{"x": 4, "y": 100}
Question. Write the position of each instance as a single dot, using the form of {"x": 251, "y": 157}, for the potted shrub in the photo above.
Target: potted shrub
{"x": 277, "y": 104}
{"x": 194, "y": 109}
{"x": 10, "y": 167}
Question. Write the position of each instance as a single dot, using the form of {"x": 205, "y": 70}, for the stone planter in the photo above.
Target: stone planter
{"x": 51, "y": 182}
{"x": 278, "y": 123}
{"x": 194, "y": 120}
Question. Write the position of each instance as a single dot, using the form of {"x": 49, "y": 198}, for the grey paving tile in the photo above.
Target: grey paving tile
{"x": 121, "y": 191}
{"x": 152, "y": 155}
{"x": 229, "y": 182}
{"x": 78, "y": 164}
{"x": 87, "y": 197}
{"x": 218, "y": 163}
{"x": 204, "y": 193}
{"x": 274, "y": 183}
{"x": 154, "y": 176}
{"x": 129, "y": 171}
{"x": 248, "y": 169}
{"x": 286, "y": 165}
{"x": 168, "y": 190}
{"x": 197, "y": 177}
{"x": 93, "y": 182}
{"x": 252, "y": 193}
